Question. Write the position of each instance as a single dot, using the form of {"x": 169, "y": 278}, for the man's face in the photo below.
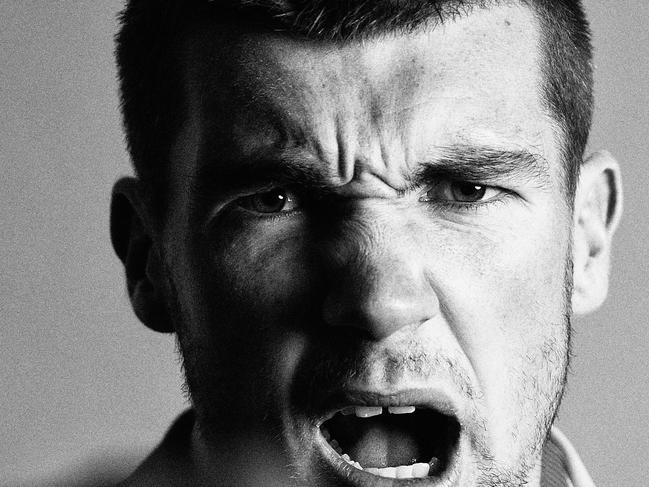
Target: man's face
{"x": 376, "y": 224}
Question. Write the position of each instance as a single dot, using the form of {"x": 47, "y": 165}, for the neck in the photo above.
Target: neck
{"x": 246, "y": 461}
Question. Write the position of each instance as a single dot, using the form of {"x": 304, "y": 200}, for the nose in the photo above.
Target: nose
{"x": 377, "y": 280}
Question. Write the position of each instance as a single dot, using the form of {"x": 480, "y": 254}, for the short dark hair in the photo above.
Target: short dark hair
{"x": 152, "y": 92}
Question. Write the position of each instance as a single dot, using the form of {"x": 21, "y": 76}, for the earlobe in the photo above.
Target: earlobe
{"x": 598, "y": 208}
{"x": 133, "y": 238}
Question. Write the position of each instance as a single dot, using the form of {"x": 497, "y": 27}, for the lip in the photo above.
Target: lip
{"x": 429, "y": 398}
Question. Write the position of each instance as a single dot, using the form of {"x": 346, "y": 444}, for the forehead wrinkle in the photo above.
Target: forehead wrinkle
{"x": 248, "y": 87}
{"x": 267, "y": 128}
{"x": 342, "y": 112}
{"x": 303, "y": 121}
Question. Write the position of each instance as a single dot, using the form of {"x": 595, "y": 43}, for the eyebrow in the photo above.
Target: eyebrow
{"x": 482, "y": 164}
{"x": 302, "y": 169}
{"x": 288, "y": 168}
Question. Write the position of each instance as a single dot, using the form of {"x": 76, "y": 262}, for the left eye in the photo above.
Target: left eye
{"x": 461, "y": 192}
{"x": 276, "y": 200}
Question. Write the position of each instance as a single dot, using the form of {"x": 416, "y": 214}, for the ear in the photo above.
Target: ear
{"x": 133, "y": 237}
{"x": 598, "y": 208}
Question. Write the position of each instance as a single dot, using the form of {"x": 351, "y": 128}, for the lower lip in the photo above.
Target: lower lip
{"x": 360, "y": 478}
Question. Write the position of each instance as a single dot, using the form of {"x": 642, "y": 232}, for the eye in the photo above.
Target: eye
{"x": 467, "y": 192}
{"x": 276, "y": 200}
{"x": 461, "y": 192}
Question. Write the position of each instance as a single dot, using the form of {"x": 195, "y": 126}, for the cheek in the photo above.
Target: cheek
{"x": 501, "y": 288}
{"x": 247, "y": 299}
{"x": 266, "y": 277}
{"x": 504, "y": 297}
{"x": 504, "y": 275}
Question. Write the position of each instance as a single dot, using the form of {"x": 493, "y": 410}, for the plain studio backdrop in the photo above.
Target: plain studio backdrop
{"x": 82, "y": 379}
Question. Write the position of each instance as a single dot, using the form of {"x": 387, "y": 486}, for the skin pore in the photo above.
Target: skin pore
{"x": 373, "y": 219}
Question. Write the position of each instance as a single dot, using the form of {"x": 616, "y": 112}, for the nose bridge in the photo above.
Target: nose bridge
{"x": 376, "y": 277}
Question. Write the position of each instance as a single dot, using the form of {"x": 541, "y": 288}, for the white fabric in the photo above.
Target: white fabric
{"x": 577, "y": 474}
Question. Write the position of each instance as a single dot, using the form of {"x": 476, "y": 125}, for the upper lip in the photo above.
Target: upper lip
{"x": 439, "y": 399}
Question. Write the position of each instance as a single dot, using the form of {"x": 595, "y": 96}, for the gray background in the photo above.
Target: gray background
{"x": 81, "y": 379}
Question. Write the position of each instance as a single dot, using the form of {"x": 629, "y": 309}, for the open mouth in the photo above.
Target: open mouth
{"x": 402, "y": 442}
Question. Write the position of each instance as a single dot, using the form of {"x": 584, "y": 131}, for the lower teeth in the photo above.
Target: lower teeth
{"x": 418, "y": 470}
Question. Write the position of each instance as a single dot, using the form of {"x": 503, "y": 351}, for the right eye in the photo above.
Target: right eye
{"x": 275, "y": 200}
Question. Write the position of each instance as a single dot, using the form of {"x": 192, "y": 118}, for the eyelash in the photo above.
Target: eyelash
{"x": 469, "y": 206}
{"x": 273, "y": 217}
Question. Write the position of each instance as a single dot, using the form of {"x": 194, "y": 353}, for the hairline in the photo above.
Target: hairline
{"x": 178, "y": 56}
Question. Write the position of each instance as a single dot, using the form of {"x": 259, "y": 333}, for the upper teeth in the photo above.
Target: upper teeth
{"x": 369, "y": 411}
{"x": 401, "y": 409}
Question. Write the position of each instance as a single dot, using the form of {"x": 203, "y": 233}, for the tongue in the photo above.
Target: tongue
{"x": 384, "y": 445}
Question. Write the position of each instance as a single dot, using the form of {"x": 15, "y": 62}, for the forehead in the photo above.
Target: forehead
{"x": 472, "y": 81}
